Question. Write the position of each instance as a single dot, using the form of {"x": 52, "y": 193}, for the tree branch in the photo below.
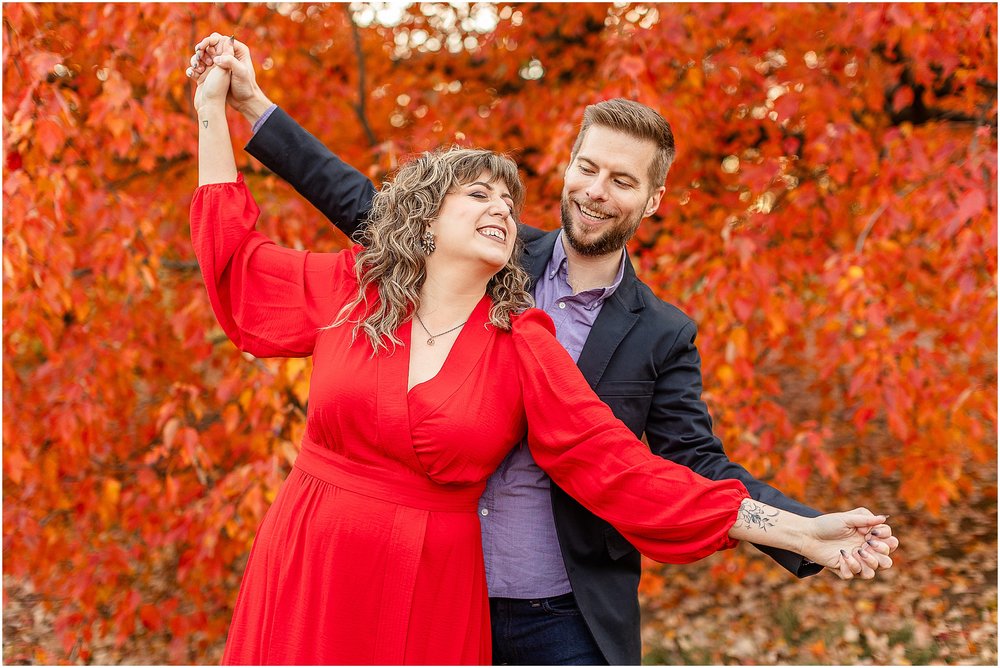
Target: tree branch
{"x": 359, "y": 108}
{"x": 9, "y": 30}
{"x": 180, "y": 265}
{"x": 164, "y": 166}
{"x": 899, "y": 194}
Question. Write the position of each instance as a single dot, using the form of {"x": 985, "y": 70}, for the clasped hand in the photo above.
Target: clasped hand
{"x": 853, "y": 543}
{"x": 234, "y": 80}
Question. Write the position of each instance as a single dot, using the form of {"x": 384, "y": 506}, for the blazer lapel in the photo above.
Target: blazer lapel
{"x": 537, "y": 253}
{"x": 617, "y": 317}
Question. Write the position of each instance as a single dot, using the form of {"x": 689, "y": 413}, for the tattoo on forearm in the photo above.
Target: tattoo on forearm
{"x": 205, "y": 123}
{"x": 753, "y": 515}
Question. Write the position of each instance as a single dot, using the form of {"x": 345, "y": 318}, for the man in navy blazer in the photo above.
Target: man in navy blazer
{"x": 563, "y": 583}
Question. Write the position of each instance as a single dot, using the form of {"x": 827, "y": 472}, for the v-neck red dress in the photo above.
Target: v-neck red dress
{"x": 371, "y": 552}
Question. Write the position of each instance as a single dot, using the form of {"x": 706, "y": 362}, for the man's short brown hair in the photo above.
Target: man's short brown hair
{"x": 636, "y": 120}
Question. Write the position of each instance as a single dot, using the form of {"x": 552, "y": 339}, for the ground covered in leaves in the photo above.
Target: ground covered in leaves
{"x": 938, "y": 605}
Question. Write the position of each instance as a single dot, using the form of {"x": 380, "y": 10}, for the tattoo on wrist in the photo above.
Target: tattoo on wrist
{"x": 205, "y": 123}
{"x": 753, "y": 515}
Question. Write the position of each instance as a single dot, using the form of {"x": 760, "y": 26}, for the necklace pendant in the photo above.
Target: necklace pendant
{"x": 430, "y": 342}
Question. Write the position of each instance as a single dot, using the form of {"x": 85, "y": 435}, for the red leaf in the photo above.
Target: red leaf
{"x": 972, "y": 203}
{"x": 43, "y": 63}
{"x": 151, "y": 618}
{"x": 50, "y": 136}
{"x": 13, "y": 161}
{"x": 743, "y": 308}
{"x": 902, "y": 98}
{"x": 632, "y": 66}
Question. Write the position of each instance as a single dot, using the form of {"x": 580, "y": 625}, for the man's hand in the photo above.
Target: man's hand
{"x": 245, "y": 96}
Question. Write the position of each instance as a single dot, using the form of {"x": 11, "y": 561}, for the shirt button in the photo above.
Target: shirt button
{"x": 562, "y": 304}
{"x": 484, "y": 512}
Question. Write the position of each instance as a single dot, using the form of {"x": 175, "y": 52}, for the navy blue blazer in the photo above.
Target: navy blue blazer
{"x": 640, "y": 358}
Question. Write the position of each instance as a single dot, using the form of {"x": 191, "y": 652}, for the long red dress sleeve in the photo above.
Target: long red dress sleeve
{"x": 271, "y": 301}
{"x": 667, "y": 511}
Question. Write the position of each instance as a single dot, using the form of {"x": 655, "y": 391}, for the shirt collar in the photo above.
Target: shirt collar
{"x": 556, "y": 269}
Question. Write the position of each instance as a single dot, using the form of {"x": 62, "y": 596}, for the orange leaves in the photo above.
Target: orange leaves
{"x": 633, "y": 66}
{"x": 297, "y": 372}
{"x": 843, "y": 275}
{"x": 113, "y": 111}
{"x": 972, "y": 203}
{"x": 49, "y": 135}
{"x": 902, "y": 98}
{"x": 151, "y": 617}
{"x": 116, "y": 92}
{"x": 107, "y": 501}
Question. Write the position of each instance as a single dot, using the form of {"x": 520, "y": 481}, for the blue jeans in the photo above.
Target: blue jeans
{"x": 542, "y": 632}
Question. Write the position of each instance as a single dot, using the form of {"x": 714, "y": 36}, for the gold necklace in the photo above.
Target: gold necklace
{"x": 431, "y": 337}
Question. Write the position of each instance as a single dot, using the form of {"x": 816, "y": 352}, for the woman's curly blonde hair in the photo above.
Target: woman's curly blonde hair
{"x": 392, "y": 260}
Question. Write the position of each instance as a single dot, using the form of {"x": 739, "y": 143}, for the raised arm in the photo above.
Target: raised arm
{"x": 216, "y": 163}
{"x": 337, "y": 190}
{"x": 271, "y": 301}
{"x": 340, "y": 192}
{"x": 667, "y": 511}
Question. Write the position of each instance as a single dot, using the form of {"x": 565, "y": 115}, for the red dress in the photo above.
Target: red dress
{"x": 371, "y": 552}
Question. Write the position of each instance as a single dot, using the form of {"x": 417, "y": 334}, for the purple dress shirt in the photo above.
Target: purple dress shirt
{"x": 520, "y": 546}
{"x": 263, "y": 117}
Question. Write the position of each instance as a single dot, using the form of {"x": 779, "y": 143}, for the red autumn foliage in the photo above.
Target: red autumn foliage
{"x": 830, "y": 223}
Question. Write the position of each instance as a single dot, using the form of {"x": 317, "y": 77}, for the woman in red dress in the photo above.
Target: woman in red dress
{"x": 427, "y": 368}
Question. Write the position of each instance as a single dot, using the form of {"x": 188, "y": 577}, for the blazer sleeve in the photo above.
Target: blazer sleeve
{"x": 679, "y": 428}
{"x": 340, "y": 192}
{"x": 668, "y": 512}
{"x": 271, "y": 301}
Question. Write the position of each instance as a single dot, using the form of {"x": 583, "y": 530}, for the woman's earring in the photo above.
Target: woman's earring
{"x": 427, "y": 242}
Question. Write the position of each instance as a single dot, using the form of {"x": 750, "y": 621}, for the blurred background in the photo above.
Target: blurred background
{"x": 830, "y": 223}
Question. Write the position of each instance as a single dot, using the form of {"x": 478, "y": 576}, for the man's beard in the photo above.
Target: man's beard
{"x": 613, "y": 239}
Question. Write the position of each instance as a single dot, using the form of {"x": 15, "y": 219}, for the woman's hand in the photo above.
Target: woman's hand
{"x": 216, "y": 163}
{"x": 245, "y": 96}
{"x": 855, "y": 543}
{"x": 213, "y": 82}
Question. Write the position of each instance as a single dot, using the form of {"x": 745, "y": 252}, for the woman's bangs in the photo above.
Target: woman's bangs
{"x": 500, "y": 169}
